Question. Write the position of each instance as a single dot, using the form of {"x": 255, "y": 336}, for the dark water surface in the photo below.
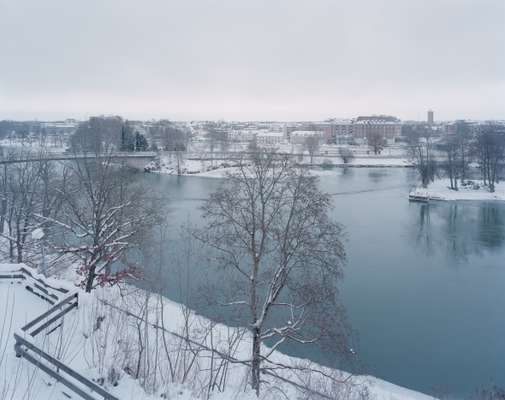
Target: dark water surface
{"x": 424, "y": 284}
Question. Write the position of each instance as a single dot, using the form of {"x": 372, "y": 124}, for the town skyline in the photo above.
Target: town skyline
{"x": 422, "y": 118}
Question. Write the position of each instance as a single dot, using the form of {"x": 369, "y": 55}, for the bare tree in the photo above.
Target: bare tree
{"x": 464, "y": 133}
{"x": 490, "y": 149}
{"x": 172, "y": 137}
{"x": 252, "y": 146}
{"x": 346, "y": 154}
{"x": 452, "y": 163}
{"x": 375, "y": 141}
{"x": 268, "y": 225}
{"x": 421, "y": 154}
{"x": 311, "y": 143}
{"x": 99, "y": 133}
{"x": 27, "y": 189}
{"x": 457, "y": 150}
{"x": 216, "y": 136}
{"x": 103, "y": 213}
{"x": 4, "y": 193}
{"x": 51, "y": 181}
{"x": 22, "y": 200}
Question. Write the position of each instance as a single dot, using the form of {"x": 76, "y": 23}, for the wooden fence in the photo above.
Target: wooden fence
{"x": 48, "y": 322}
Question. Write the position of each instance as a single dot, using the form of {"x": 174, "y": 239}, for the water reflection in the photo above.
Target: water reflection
{"x": 450, "y": 252}
{"x": 347, "y": 172}
{"x": 459, "y": 230}
{"x": 491, "y": 225}
{"x": 423, "y": 234}
{"x": 377, "y": 175}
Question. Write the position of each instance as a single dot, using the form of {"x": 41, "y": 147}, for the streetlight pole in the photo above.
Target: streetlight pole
{"x": 38, "y": 234}
{"x": 43, "y": 266}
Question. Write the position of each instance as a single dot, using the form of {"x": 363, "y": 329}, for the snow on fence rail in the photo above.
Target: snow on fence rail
{"x": 35, "y": 285}
{"x": 51, "y": 319}
{"x": 44, "y": 320}
{"x": 44, "y": 362}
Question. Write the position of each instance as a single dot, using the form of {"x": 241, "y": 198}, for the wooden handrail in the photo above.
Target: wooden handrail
{"x": 53, "y": 319}
{"x": 25, "y": 271}
{"x": 22, "y": 273}
{"x": 20, "y": 341}
{"x": 50, "y": 311}
{"x": 23, "y": 346}
{"x": 13, "y": 276}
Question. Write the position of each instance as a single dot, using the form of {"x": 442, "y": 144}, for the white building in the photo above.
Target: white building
{"x": 243, "y": 135}
{"x": 299, "y": 137}
{"x": 270, "y": 138}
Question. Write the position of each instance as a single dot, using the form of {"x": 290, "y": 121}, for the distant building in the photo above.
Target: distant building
{"x": 334, "y": 131}
{"x": 270, "y": 138}
{"x": 340, "y": 131}
{"x": 243, "y": 135}
{"x": 59, "y": 127}
{"x": 431, "y": 117}
{"x": 299, "y": 137}
{"x": 384, "y": 125}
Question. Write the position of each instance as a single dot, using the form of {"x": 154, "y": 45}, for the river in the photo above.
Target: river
{"x": 424, "y": 284}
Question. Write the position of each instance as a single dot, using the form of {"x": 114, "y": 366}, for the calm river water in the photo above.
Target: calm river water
{"x": 424, "y": 284}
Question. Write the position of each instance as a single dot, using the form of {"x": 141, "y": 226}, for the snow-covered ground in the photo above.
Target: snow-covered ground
{"x": 100, "y": 340}
{"x": 440, "y": 190}
{"x": 18, "y": 378}
{"x": 219, "y": 169}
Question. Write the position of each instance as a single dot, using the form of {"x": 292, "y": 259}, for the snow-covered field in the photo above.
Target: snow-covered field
{"x": 440, "y": 190}
{"x": 100, "y": 340}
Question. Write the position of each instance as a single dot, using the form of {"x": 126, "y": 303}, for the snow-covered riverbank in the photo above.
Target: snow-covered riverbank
{"x": 100, "y": 340}
{"x": 219, "y": 169}
{"x": 440, "y": 190}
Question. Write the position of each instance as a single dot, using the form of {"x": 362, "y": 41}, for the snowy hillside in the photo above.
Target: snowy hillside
{"x": 175, "y": 355}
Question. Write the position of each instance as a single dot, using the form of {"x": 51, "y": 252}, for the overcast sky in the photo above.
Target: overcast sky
{"x": 234, "y": 59}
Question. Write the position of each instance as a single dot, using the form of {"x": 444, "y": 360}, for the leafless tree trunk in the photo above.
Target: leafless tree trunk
{"x": 346, "y": 154}
{"x": 4, "y": 185}
{"x": 421, "y": 154}
{"x": 23, "y": 188}
{"x": 375, "y": 141}
{"x": 269, "y": 225}
{"x": 27, "y": 190}
{"x": 312, "y": 145}
{"x": 103, "y": 214}
{"x": 452, "y": 164}
{"x": 464, "y": 152}
{"x": 491, "y": 153}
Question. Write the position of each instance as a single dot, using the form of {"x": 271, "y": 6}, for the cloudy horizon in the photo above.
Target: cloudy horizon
{"x": 292, "y": 60}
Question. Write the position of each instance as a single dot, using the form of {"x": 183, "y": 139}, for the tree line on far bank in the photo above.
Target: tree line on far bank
{"x": 453, "y": 154}
{"x": 98, "y": 133}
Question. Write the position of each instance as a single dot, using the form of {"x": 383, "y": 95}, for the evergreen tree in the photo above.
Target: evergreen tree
{"x": 140, "y": 142}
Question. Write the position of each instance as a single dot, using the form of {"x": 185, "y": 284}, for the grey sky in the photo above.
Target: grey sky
{"x": 234, "y": 59}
